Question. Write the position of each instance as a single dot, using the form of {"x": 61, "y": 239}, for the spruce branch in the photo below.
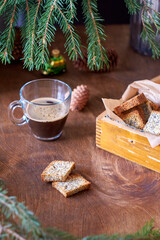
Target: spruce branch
{"x": 71, "y": 9}
{"x": 10, "y": 207}
{"x": 146, "y": 233}
{"x": 151, "y": 28}
{"x": 39, "y": 29}
{"x": 33, "y": 29}
{"x": 7, "y": 230}
{"x": 26, "y": 34}
{"x": 7, "y": 37}
{"x": 97, "y": 55}
{"x": 45, "y": 33}
{"x": 28, "y": 18}
{"x": 155, "y": 17}
{"x": 72, "y": 43}
{"x": 133, "y": 6}
{"x": 58, "y": 235}
{"x": 29, "y": 227}
{"x": 4, "y": 2}
{"x": 30, "y": 44}
{"x": 150, "y": 21}
{"x": 47, "y": 28}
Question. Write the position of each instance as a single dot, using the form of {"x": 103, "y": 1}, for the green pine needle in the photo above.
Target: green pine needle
{"x": 29, "y": 32}
{"x": 11, "y": 208}
{"x": 45, "y": 33}
{"x": 27, "y": 226}
{"x": 8, "y": 36}
{"x": 151, "y": 28}
{"x": 40, "y": 23}
{"x": 58, "y": 235}
{"x": 133, "y": 6}
{"x": 150, "y": 22}
{"x": 72, "y": 43}
{"x": 97, "y": 55}
{"x": 71, "y": 11}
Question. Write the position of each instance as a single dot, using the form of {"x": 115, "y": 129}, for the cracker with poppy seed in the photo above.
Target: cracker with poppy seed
{"x": 153, "y": 124}
{"x": 57, "y": 171}
{"x": 134, "y": 117}
{"x": 73, "y": 184}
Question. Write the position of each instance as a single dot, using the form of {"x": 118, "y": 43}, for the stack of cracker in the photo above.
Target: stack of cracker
{"x": 59, "y": 173}
{"x": 141, "y": 113}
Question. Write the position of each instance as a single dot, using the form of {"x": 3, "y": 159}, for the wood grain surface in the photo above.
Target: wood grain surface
{"x": 123, "y": 195}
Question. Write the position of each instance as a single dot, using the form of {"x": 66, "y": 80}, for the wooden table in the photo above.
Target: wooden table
{"x": 123, "y": 195}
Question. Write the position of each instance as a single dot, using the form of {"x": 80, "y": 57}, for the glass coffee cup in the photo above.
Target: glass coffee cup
{"x": 45, "y": 104}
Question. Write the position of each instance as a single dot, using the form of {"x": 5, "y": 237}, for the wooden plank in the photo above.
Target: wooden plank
{"x": 128, "y": 145}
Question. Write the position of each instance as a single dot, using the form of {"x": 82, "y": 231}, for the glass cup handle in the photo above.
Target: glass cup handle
{"x": 12, "y": 106}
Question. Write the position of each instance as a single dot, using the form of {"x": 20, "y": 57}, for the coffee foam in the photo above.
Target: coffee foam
{"x": 47, "y": 113}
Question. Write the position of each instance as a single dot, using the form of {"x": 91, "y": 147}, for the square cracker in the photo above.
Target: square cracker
{"x": 57, "y": 171}
{"x": 153, "y": 124}
{"x": 73, "y": 184}
{"x": 134, "y": 118}
{"x": 133, "y": 102}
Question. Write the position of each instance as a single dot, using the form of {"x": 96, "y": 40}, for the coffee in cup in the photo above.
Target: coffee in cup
{"x": 47, "y": 119}
{"x": 45, "y": 115}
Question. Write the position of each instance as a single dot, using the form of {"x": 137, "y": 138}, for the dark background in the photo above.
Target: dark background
{"x": 112, "y": 11}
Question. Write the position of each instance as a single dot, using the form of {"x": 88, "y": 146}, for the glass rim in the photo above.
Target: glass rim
{"x": 44, "y": 79}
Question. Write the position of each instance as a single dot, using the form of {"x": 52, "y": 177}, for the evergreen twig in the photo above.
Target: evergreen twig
{"x": 71, "y": 10}
{"x": 45, "y": 33}
{"x": 30, "y": 29}
{"x": 150, "y": 22}
{"x": 58, "y": 235}
{"x": 6, "y": 230}
{"x": 97, "y": 55}
{"x": 38, "y": 31}
{"x": 151, "y": 28}
{"x": 133, "y": 6}
{"x": 28, "y": 17}
{"x": 26, "y": 35}
{"x": 7, "y": 37}
{"x": 72, "y": 43}
{"x": 30, "y": 228}
{"x": 4, "y": 2}
{"x": 33, "y": 30}
{"x": 11, "y": 208}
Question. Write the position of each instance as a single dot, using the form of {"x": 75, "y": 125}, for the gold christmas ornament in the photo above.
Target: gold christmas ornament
{"x": 79, "y": 98}
{"x": 55, "y": 65}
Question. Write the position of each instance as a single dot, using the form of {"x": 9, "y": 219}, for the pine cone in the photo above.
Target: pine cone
{"x": 81, "y": 64}
{"x": 113, "y": 60}
{"x": 17, "y": 51}
{"x": 79, "y": 98}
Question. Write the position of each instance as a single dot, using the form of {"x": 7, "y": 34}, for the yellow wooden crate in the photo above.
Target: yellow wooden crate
{"x": 125, "y": 143}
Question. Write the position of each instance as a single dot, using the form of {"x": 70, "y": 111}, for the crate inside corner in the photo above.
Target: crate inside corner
{"x": 127, "y": 144}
